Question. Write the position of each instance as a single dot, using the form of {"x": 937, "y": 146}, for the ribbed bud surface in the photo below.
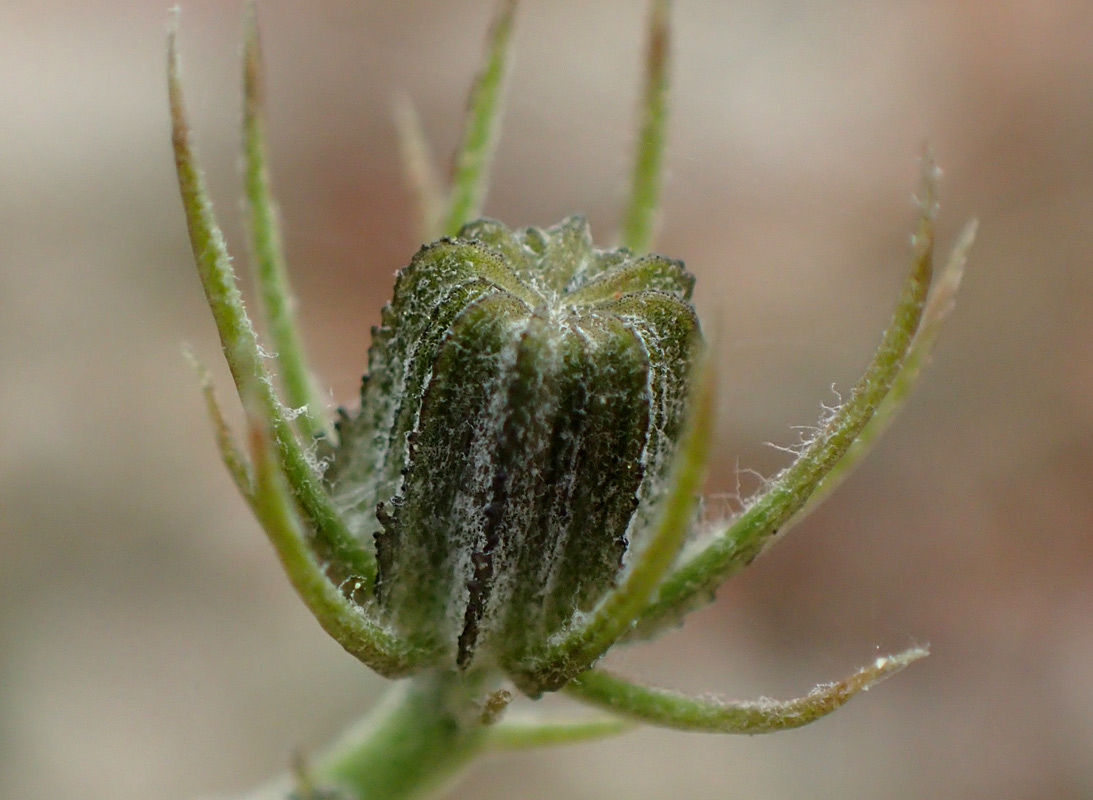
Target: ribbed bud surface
{"x": 523, "y": 396}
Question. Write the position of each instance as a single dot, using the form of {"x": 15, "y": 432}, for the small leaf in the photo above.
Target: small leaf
{"x": 639, "y": 216}
{"x": 694, "y": 582}
{"x": 515, "y": 734}
{"x": 469, "y": 174}
{"x": 344, "y": 620}
{"x": 267, "y": 248}
{"x": 672, "y": 710}
{"x": 418, "y": 168}
{"x": 230, "y": 453}
{"x": 241, "y": 348}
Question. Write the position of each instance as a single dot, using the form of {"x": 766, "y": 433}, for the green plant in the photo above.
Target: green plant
{"x": 518, "y": 491}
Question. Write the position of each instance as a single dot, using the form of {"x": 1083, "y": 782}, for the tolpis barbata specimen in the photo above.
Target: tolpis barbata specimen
{"x": 517, "y": 491}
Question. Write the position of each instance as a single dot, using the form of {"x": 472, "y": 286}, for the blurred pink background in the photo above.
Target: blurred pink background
{"x": 150, "y": 647}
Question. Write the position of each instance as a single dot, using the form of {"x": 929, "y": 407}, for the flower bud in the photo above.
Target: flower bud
{"x": 523, "y": 398}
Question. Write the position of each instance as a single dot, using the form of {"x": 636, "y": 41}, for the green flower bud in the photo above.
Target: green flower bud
{"x": 523, "y": 398}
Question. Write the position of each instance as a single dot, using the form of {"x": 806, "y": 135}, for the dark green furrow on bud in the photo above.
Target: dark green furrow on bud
{"x": 588, "y": 492}
{"x": 577, "y": 409}
{"x": 515, "y": 457}
{"x": 440, "y": 282}
{"x": 436, "y": 525}
{"x": 671, "y": 334}
{"x": 637, "y": 389}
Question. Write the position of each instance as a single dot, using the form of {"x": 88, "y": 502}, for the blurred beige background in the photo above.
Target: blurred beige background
{"x": 150, "y": 648}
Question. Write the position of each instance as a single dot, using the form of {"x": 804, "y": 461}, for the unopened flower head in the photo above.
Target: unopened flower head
{"x": 514, "y": 494}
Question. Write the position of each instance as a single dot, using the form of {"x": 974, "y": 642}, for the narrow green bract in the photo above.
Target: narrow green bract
{"x": 524, "y": 394}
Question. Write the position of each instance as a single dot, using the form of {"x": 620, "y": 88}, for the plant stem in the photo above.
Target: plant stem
{"x": 420, "y": 736}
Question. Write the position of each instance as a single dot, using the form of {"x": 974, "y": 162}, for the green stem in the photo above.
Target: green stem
{"x": 420, "y": 736}
{"x": 426, "y": 731}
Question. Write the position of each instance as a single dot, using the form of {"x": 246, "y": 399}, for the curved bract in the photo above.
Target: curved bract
{"x": 523, "y": 396}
